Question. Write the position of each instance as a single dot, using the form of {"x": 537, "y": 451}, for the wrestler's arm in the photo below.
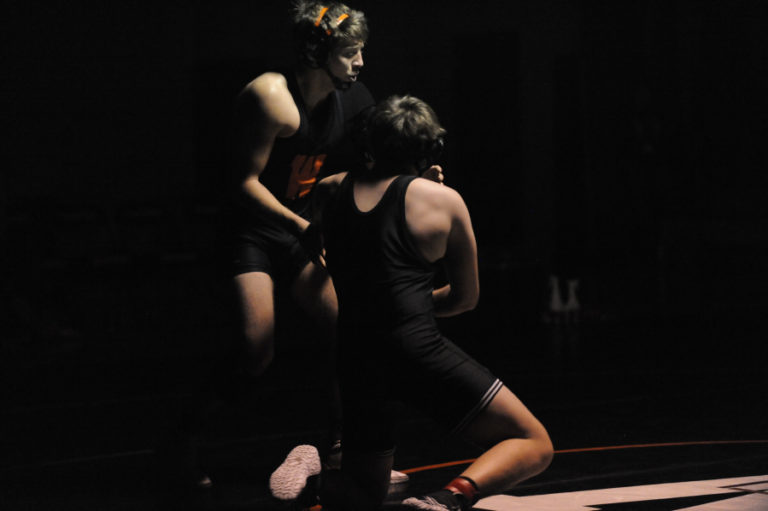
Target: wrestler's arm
{"x": 312, "y": 237}
{"x": 324, "y": 190}
{"x": 266, "y": 111}
{"x": 440, "y": 223}
{"x": 463, "y": 289}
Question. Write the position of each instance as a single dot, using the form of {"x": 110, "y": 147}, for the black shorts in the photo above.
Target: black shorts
{"x": 377, "y": 374}
{"x": 268, "y": 249}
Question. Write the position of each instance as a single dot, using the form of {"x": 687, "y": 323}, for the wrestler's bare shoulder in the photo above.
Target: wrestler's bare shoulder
{"x": 267, "y": 84}
{"x": 329, "y": 185}
{"x": 429, "y": 191}
{"x": 269, "y": 98}
{"x": 333, "y": 180}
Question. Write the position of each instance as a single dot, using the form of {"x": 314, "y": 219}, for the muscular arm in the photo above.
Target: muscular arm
{"x": 266, "y": 110}
{"x": 463, "y": 289}
{"x": 441, "y": 225}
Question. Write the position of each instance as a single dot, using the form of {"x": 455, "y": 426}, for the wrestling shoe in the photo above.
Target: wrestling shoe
{"x": 290, "y": 478}
{"x": 442, "y": 500}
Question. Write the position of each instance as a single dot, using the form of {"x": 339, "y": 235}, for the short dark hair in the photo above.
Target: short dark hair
{"x": 319, "y": 27}
{"x": 401, "y": 132}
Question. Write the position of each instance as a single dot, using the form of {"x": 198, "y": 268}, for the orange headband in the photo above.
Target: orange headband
{"x": 338, "y": 20}
{"x": 319, "y": 18}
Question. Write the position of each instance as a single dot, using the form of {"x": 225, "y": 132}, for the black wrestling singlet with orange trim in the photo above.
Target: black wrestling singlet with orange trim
{"x": 322, "y": 141}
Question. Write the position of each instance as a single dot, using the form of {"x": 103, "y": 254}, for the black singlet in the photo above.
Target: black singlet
{"x": 322, "y": 144}
{"x": 390, "y": 347}
{"x": 379, "y": 274}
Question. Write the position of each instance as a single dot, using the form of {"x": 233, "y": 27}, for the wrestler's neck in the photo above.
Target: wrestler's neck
{"x": 315, "y": 85}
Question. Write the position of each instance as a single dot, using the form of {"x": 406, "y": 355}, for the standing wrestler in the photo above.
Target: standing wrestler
{"x": 384, "y": 228}
{"x": 291, "y": 127}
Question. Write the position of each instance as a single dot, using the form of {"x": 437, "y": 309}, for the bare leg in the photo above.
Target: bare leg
{"x": 518, "y": 448}
{"x": 313, "y": 291}
{"x": 256, "y": 293}
{"x": 518, "y": 445}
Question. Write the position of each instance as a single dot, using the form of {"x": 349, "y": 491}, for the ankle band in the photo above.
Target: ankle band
{"x": 466, "y": 487}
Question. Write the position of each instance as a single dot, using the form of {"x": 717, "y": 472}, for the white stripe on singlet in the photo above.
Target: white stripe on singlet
{"x": 480, "y": 406}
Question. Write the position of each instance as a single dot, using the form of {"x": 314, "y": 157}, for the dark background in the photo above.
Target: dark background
{"x": 621, "y": 142}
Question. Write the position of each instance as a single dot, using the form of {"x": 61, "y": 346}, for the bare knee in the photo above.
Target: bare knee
{"x": 544, "y": 450}
{"x": 536, "y": 450}
{"x": 314, "y": 292}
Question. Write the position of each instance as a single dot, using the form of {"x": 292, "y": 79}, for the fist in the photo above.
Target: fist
{"x": 434, "y": 173}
